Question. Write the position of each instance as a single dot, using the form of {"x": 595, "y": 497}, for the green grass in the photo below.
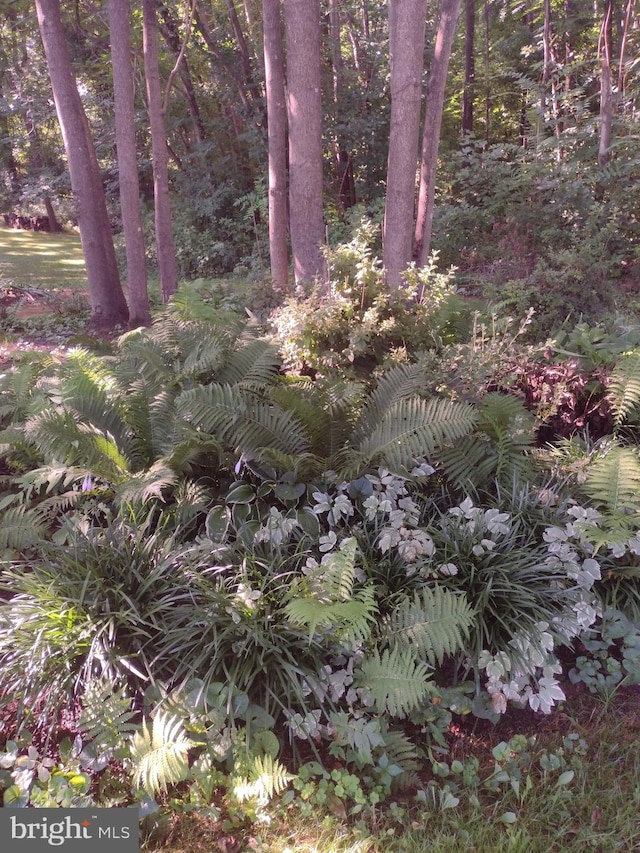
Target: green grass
{"x": 36, "y": 259}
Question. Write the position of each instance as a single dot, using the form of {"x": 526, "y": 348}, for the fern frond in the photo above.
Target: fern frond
{"x": 256, "y": 361}
{"x": 266, "y": 779}
{"x": 240, "y": 419}
{"x": 415, "y": 428}
{"x": 434, "y": 624}
{"x": 106, "y": 716}
{"x": 331, "y": 603}
{"x": 159, "y": 753}
{"x": 150, "y": 483}
{"x": 401, "y": 750}
{"x": 624, "y": 387}
{"x": 205, "y": 353}
{"x": 399, "y": 383}
{"x": 394, "y": 682}
{"x": 327, "y": 411}
{"x": 351, "y": 619}
{"x": 21, "y": 528}
{"x": 339, "y": 572}
{"x": 613, "y": 480}
{"x": 61, "y": 439}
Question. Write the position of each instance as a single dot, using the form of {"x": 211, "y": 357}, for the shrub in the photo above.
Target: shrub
{"x": 356, "y": 325}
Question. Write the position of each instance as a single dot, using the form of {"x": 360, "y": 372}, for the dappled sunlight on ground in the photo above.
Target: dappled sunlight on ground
{"x": 60, "y": 259}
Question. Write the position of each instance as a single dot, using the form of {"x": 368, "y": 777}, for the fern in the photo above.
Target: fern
{"x": 21, "y": 528}
{"x": 351, "y": 620}
{"x": 61, "y": 439}
{"x": 403, "y": 382}
{"x": 624, "y": 387}
{"x": 331, "y": 603}
{"x": 256, "y": 362}
{"x": 413, "y": 428}
{"x": 434, "y": 624}
{"x": 267, "y": 778}
{"x": 88, "y": 388}
{"x": 240, "y": 419}
{"x": 401, "y": 750}
{"x": 498, "y": 447}
{"x": 394, "y": 682}
{"x": 154, "y": 482}
{"x": 106, "y": 716}
{"x": 327, "y": 411}
{"x": 159, "y": 753}
{"x": 613, "y": 480}
{"x": 339, "y": 573}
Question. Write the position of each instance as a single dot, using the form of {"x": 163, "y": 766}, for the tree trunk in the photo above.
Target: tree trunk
{"x": 407, "y": 21}
{"x": 124, "y": 110}
{"x": 304, "y": 110}
{"x": 277, "y": 141}
{"x": 606, "y": 91}
{"x": 109, "y": 307}
{"x": 468, "y": 94}
{"x": 165, "y": 251}
{"x": 432, "y": 124}
{"x": 243, "y": 50}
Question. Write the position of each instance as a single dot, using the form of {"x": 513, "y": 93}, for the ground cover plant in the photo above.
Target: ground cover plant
{"x": 244, "y": 586}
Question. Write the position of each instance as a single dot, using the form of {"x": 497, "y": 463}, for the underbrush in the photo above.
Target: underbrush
{"x": 248, "y": 580}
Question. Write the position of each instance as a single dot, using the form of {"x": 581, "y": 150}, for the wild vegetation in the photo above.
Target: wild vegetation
{"x": 260, "y": 567}
{"x": 340, "y": 554}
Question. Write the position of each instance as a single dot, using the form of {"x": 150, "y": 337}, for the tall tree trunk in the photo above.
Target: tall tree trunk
{"x": 549, "y": 82}
{"x": 124, "y": 110}
{"x": 109, "y": 307}
{"x": 622, "y": 67}
{"x": 304, "y": 111}
{"x": 431, "y": 131}
{"x": 165, "y": 250}
{"x": 277, "y": 141}
{"x": 243, "y": 50}
{"x": 606, "y": 90}
{"x": 407, "y": 22}
{"x": 468, "y": 94}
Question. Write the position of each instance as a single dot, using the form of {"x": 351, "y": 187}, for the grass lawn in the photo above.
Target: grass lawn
{"x": 33, "y": 259}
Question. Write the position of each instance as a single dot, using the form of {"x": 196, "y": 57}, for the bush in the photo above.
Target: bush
{"x": 356, "y": 325}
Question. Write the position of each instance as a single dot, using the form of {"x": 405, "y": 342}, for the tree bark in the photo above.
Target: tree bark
{"x": 304, "y": 111}
{"x": 124, "y": 110}
{"x": 407, "y": 22}
{"x": 165, "y": 250}
{"x": 606, "y": 91}
{"x": 432, "y": 124}
{"x": 277, "y": 141}
{"x": 109, "y": 307}
{"x": 468, "y": 94}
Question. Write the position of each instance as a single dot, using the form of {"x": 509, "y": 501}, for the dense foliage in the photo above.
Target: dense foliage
{"x": 274, "y": 546}
{"x": 231, "y": 573}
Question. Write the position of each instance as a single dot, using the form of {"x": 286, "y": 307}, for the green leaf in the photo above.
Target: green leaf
{"x": 565, "y": 778}
{"x": 159, "y": 753}
{"x": 15, "y": 798}
{"x": 435, "y": 624}
{"x": 394, "y": 682}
